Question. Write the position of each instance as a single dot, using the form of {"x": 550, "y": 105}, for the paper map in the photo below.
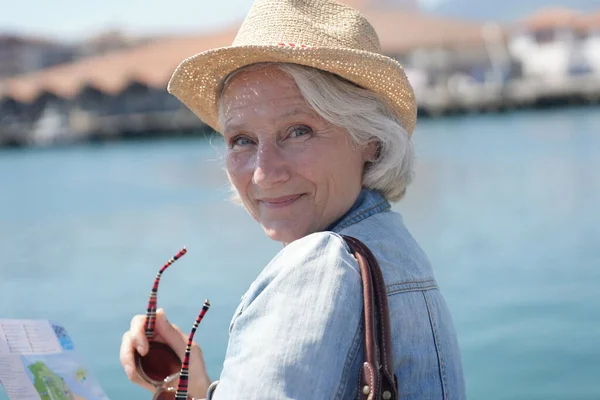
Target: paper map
{"x": 38, "y": 361}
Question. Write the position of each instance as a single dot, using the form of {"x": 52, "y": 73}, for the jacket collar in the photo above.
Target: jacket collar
{"x": 368, "y": 202}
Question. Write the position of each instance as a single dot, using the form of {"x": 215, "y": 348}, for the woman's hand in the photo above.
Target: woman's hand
{"x": 135, "y": 340}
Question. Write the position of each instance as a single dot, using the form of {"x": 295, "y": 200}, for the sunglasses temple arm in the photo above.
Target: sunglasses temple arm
{"x": 152, "y": 302}
{"x": 182, "y": 386}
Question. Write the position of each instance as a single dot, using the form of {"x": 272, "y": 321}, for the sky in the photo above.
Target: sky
{"x": 77, "y": 19}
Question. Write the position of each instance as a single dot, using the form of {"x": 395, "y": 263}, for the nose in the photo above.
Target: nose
{"x": 271, "y": 166}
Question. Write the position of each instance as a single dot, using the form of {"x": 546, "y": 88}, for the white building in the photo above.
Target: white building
{"x": 590, "y": 28}
{"x": 547, "y": 45}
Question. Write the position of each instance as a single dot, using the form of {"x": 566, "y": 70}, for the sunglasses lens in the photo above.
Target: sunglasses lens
{"x": 159, "y": 363}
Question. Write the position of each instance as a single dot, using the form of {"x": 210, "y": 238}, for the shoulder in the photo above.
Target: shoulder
{"x": 315, "y": 262}
{"x": 314, "y": 251}
{"x": 303, "y": 310}
{"x": 318, "y": 241}
{"x": 401, "y": 258}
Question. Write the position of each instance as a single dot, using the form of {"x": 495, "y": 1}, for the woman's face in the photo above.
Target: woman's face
{"x": 294, "y": 172}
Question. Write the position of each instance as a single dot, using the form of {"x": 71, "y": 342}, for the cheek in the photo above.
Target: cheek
{"x": 327, "y": 166}
{"x": 310, "y": 162}
{"x": 236, "y": 170}
{"x": 343, "y": 170}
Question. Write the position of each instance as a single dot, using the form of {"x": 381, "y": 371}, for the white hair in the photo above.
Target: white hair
{"x": 362, "y": 114}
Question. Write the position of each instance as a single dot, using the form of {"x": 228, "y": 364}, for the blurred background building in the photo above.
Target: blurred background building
{"x": 114, "y": 85}
{"x": 21, "y": 55}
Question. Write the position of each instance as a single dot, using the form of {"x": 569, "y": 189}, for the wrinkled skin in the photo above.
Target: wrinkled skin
{"x": 295, "y": 173}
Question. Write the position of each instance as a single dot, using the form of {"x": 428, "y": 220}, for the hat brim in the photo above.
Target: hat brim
{"x": 196, "y": 80}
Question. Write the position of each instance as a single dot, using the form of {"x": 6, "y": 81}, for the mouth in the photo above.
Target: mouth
{"x": 279, "y": 202}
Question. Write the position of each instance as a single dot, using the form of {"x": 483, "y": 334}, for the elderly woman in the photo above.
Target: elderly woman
{"x": 317, "y": 125}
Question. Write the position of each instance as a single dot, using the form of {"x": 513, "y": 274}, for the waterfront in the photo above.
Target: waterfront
{"x": 506, "y": 206}
{"x": 548, "y": 58}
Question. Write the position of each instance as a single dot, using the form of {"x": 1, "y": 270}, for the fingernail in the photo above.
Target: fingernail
{"x": 128, "y": 370}
{"x": 140, "y": 349}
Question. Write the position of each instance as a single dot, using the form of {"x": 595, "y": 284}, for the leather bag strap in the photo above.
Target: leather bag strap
{"x": 377, "y": 379}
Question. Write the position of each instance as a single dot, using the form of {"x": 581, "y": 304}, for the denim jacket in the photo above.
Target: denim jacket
{"x": 297, "y": 333}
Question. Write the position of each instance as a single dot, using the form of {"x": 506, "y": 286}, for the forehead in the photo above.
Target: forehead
{"x": 265, "y": 76}
{"x": 267, "y": 92}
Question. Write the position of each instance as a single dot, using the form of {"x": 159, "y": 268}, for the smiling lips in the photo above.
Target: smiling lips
{"x": 279, "y": 202}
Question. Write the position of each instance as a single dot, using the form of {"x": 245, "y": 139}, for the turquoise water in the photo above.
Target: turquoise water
{"x": 506, "y": 206}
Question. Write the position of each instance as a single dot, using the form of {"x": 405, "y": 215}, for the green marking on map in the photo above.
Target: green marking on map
{"x": 49, "y": 385}
{"x": 81, "y": 374}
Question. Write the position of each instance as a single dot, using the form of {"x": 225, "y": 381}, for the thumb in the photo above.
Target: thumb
{"x": 172, "y": 336}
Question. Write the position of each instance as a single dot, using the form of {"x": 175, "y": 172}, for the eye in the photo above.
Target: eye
{"x": 298, "y": 131}
{"x": 240, "y": 141}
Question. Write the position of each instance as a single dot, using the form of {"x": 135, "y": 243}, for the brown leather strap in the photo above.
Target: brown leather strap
{"x": 377, "y": 379}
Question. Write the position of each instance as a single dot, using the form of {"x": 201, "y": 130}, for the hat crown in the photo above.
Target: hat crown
{"x": 317, "y": 23}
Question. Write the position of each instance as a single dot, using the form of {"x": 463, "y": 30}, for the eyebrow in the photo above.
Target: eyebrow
{"x": 292, "y": 113}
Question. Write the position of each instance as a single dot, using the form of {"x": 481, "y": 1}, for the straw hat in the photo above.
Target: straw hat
{"x": 322, "y": 34}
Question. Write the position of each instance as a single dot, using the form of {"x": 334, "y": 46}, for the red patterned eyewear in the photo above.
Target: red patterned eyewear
{"x": 161, "y": 366}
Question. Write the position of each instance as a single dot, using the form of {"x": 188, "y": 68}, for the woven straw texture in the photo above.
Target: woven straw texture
{"x": 319, "y": 33}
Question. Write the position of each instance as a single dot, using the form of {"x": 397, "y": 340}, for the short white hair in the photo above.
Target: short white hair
{"x": 365, "y": 117}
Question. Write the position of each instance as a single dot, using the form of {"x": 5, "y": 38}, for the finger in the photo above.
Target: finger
{"x": 126, "y": 355}
{"x": 175, "y": 338}
{"x": 128, "y": 362}
{"x": 138, "y": 323}
{"x": 184, "y": 337}
{"x": 172, "y": 335}
{"x": 196, "y": 350}
{"x": 178, "y": 329}
{"x": 137, "y": 334}
{"x": 125, "y": 352}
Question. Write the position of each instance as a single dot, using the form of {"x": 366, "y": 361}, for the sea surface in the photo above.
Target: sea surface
{"x": 507, "y": 206}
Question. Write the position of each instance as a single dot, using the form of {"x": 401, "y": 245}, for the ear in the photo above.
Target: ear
{"x": 371, "y": 151}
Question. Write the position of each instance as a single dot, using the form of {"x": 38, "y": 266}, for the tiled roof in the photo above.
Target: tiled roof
{"x": 402, "y": 31}
{"x": 152, "y": 64}
{"x": 559, "y": 17}
{"x": 588, "y": 21}
{"x": 555, "y": 17}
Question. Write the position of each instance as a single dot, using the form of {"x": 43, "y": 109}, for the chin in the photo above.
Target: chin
{"x": 284, "y": 234}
